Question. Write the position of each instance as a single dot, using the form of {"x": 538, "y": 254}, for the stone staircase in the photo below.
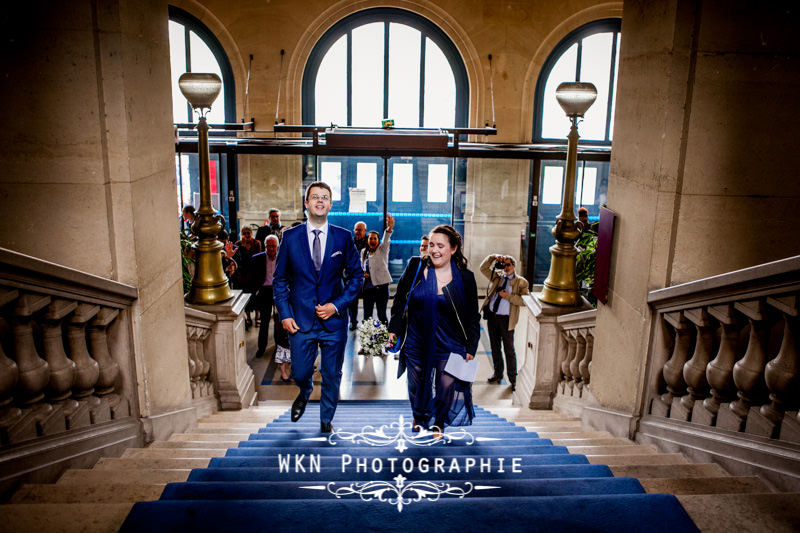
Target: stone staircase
{"x": 98, "y": 499}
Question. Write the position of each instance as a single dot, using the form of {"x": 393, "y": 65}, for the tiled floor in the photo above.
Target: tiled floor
{"x": 366, "y": 378}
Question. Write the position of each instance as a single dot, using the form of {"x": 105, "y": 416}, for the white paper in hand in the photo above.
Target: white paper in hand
{"x": 461, "y": 368}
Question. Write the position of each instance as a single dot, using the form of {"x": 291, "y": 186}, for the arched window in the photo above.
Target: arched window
{"x": 389, "y": 63}
{"x": 392, "y": 64}
{"x": 588, "y": 54}
{"x": 193, "y": 48}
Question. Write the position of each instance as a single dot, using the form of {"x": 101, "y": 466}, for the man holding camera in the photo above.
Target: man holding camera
{"x": 501, "y": 311}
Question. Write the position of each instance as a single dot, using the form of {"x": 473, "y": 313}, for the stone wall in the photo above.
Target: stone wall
{"x": 89, "y": 177}
{"x": 699, "y": 175}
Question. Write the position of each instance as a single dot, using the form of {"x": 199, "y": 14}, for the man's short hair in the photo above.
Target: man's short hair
{"x": 320, "y": 184}
{"x": 274, "y": 210}
{"x": 511, "y": 258}
{"x": 272, "y": 237}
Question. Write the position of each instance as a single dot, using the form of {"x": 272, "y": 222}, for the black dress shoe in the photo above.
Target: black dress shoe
{"x": 353, "y": 327}
{"x": 298, "y": 407}
{"x": 325, "y": 427}
{"x": 513, "y": 387}
{"x": 494, "y": 379}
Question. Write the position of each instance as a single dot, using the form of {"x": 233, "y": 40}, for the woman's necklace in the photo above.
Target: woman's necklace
{"x": 445, "y": 278}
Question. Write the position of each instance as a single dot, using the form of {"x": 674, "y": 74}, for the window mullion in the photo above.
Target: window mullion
{"x": 386, "y": 69}
{"x": 422, "y": 79}
{"x": 611, "y": 84}
{"x": 349, "y": 78}
{"x": 187, "y": 47}
{"x": 578, "y": 60}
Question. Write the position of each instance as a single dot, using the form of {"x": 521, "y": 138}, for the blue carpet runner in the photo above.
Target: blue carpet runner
{"x": 373, "y": 473}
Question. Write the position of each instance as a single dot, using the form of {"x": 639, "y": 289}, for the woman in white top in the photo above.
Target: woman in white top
{"x": 375, "y": 262}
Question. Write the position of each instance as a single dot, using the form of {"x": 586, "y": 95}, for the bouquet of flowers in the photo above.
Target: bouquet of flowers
{"x": 372, "y": 336}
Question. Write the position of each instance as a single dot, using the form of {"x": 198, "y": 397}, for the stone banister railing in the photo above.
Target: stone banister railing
{"x": 725, "y": 352}
{"x": 60, "y": 368}
{"x": 575, "y": 352}
{"x": 67, "y": 382}
{"x": 199, "y": 330}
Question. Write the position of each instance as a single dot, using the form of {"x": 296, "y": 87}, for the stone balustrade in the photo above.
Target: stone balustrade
{"x": 725, "y": 352}
{"x": 64, "y": 351}
{"x": 67, "y": 374}
{"x": 201, "y": 355}
{"x": 575, "y": 351}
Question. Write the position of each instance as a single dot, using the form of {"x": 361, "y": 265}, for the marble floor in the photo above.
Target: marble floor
{"x": 365, "y": 377}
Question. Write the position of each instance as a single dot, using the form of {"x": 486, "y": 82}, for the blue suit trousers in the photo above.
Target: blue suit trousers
{"x": 304, "y": 348}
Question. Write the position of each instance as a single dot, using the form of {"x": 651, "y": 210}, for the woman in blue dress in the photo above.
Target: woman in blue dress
{"x": 441, "y": 299}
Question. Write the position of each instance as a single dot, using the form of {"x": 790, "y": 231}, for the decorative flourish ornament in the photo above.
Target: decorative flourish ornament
{"x": 401, "y": 493}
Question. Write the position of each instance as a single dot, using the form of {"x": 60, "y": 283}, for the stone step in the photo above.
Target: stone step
{"x": 87, "y": 493}
{"x": 224, "y": 431}
{"x": 634, "y": 459}
{"x": 610, "y": 441}
{"x": 162, "y": 444}
{"x": 227, "y": 427}
{"x": 623, "y": 449}
{"x": 63, "y": 517}
{"x": 147, "y": 476}
{"x": 660, "y": 471}
{"x": 162, "y": 463}
{"x": 206, "y": 437}
{"x": 173, "y": 453}
{"x": 774, "y": 512}
{"x": 701, "y": 485}
{"x": 528, "y": 416}
{"x": 575, "y": 435}
{"x": 243, "y": 418}
{"x": 556, "y": 426}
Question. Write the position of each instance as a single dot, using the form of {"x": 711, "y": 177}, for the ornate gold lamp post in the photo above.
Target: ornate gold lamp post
{"x": 561, "y": 286}
{"x": 209, "y": 284}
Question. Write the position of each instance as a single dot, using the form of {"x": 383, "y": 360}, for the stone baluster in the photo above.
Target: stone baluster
{"x": 205, "y": 381}
{"x": 580, "y": 352}
{"x": 105, "y": 388}
{"x": 694, "y": 371}
{"x": 34, "y": 372}
{"x": 9, "y": 377}
{"x": 194, "y": 366}
{"x": 62, "y": 368}
{"x": 87, "y": 371}
{"x": 585, "y": 365}
{"x": 782, "y": 373}
{"x": 719, "y": 371}
{"x": 9, "y": 371}
{"x": 748, "y": 372}
{"x": 563, "y": 347}
{"x": 663, "y": 346}
{"x": 570, "y": 355}
{"x": 673, "y": 368}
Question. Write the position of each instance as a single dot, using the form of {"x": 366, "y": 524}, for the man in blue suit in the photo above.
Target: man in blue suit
{"x": 318, "y": 273}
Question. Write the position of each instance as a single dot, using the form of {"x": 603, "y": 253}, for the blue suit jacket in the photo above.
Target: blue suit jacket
{"x": 298, "y": 288}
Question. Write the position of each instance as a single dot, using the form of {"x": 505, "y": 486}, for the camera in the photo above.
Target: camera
{"x": 501, "y": 264}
